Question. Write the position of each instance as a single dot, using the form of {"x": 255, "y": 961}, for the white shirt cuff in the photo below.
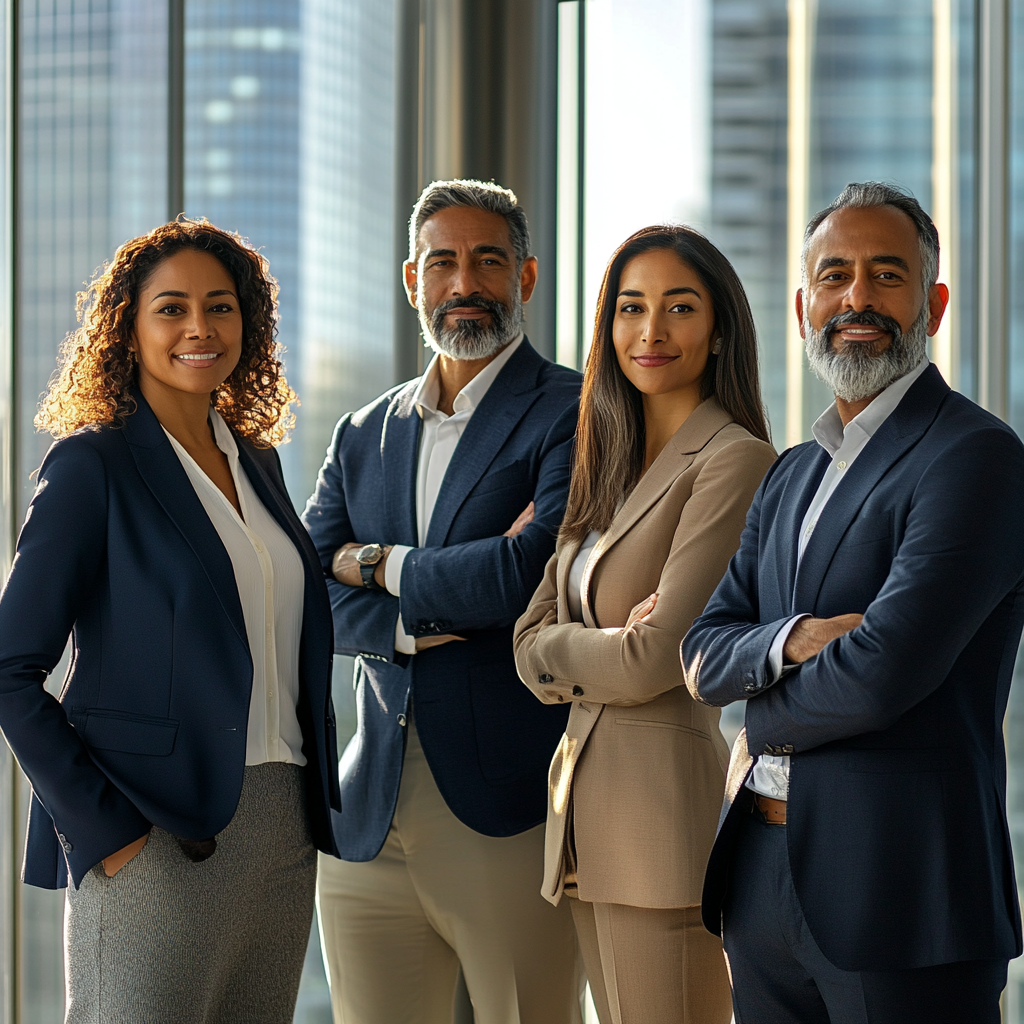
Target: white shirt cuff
{"x": 393, "y": 570}
{"x": 404, "y": 643}
{"x": 776, "y": 668}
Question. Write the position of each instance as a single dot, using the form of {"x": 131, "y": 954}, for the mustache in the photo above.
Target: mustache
{"x": 879, "y": 320}
{"x": 492, "y": 306}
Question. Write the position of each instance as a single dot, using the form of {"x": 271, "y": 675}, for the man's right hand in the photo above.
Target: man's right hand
{"x": 809, "y": 636}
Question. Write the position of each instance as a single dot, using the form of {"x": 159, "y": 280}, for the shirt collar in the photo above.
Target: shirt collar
{"x": 222, "y": 434}
{"x": 828, "y": 429}
{"x": 429, "y": 388}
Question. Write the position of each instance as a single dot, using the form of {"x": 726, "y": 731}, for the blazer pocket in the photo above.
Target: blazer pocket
{"x": 514, "y": 475}
{"x": 129, "y": 734}
{"x": 647, "y": 724}
{"x": 869, "y": 530}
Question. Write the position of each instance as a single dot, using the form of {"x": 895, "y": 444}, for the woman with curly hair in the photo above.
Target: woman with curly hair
{"x": 184, "y": 779}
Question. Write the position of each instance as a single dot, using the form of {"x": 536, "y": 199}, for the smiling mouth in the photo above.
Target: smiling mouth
{"x": 653, "y": 360}
{"x": 198, "y": 359}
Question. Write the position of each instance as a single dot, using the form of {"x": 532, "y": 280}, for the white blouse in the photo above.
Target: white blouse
{"x": 579, "y": 564}
{"x": 270, "y": 580}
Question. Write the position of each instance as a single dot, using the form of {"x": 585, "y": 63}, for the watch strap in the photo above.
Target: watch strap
{"x": 369, "y": 580}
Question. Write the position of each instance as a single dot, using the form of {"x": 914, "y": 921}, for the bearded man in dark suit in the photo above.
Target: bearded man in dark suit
{"x": 870, "y": 620}
{"x": 434, "y": 515}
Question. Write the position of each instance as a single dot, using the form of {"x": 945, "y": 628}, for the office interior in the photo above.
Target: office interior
{"x": 311, "y": 125}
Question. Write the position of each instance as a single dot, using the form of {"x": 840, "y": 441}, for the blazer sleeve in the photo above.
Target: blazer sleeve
{"x": 633, "y": 666}
{"x": 962, "y": 554}
{"x": 725, "y": 651}
{"x": 364, "y": 621}
{"x": 60, "y": 553}
{"x": 485, "y": 584}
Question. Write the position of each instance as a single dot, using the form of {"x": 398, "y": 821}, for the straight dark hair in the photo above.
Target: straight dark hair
{"x": 611, "y": 438}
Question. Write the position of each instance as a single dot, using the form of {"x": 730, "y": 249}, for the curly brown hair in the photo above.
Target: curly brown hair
{"x": 97, "y": 374}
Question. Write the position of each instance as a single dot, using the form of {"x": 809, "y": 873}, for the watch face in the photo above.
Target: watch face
{"x": 369, "y": 554}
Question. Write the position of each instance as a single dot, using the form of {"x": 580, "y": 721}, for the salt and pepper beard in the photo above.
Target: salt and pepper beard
{"x": 855, "y": 373}
{"x": 472, "y": 339}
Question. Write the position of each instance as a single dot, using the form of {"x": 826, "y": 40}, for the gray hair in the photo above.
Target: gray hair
{"x": 861, "y": 194}
{"x": 481, "y": 195}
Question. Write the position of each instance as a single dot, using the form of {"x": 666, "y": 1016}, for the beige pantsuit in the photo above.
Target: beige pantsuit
{"x": 395, "y": 929}
{"x": 636, "y": 783}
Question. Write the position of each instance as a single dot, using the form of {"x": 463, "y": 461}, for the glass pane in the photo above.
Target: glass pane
{"x": 871, "y": 109}
{"x": 90, "y": 166}
{"x": 648, "y": 124}
{"x": 748, "y": 173}
{"x": 289, "y": 140}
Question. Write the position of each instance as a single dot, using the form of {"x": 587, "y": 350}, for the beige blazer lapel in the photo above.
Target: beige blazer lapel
{"x": 700, "y": 426}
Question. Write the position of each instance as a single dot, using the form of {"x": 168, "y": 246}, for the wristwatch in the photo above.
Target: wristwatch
{"x": 368, "y": 556}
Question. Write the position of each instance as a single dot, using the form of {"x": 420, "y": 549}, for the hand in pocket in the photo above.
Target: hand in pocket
{"x": 116, "y": 861}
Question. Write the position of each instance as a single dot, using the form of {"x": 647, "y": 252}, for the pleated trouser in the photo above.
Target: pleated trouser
{"x": 395, "y": 929}
{"x": 168, "y": 941}
{"x": 652, "y": 966}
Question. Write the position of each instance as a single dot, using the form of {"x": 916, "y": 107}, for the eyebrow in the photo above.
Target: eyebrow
{"x": 480, "y": 250}
{"x": 839, "y": 261}
{"x": 185, "y": 295}
{"x": 683, "y": 290}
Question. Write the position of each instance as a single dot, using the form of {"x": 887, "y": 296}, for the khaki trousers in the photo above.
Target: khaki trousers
{"x": 652, "y": 966}
{"x": 395, "y": 929}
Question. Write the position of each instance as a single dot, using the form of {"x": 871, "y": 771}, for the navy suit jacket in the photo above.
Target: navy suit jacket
{"x": 896, "y": 825}
{"x": 150, "y": 728}
{"x": 487, "y": 740}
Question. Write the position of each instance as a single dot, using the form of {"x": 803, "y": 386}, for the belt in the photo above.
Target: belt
{"x": 773, "y": 811}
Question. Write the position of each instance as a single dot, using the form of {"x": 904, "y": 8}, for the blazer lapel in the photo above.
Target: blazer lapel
{"x": 809, "y": 467}
{"x": 399, "y": 447}
{"x": 508, "y": 398}
{"x": 163, "y": 474}
{"x": 900, "y": 432}
{"x": 565, "y": 559}
{"x": 700, "y": 426}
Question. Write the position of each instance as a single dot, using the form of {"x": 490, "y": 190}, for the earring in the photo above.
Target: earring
{"x": 718, "y": 346}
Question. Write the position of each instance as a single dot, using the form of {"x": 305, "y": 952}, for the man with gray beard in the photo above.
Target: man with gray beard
{"x": 434, "y": 515}
{"x": 870, "y": 619}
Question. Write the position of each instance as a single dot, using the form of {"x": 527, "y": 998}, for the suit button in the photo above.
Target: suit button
{"x": 401, "y": 721}
{"x": 64, "y": 843}
{"x": 577, "y": 691}
{"x": 750, "y": 688}
{"x": 545, "y": 678}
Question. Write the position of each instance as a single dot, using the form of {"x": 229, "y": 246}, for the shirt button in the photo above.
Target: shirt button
{"x": 270, "y": 693}
{"x": 842, "y": 465}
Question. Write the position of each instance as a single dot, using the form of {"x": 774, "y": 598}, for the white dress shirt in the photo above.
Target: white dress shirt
{"x": 843, "y": 444}
{"x": 270, "y": 580}
{"x": 439, "y": 437}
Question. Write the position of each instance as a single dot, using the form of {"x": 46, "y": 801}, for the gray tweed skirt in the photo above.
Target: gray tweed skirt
{"x": 169, "y": 941}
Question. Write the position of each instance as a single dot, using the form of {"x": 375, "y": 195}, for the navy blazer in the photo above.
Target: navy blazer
{"x": 487, "y": 740}
{"x": 897, "y": 829}
{"x": 150, "y": 727}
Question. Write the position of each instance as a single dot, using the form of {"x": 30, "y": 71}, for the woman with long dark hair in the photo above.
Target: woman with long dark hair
{"x": 671, "y": 446}
{"x": 183, "y": 779}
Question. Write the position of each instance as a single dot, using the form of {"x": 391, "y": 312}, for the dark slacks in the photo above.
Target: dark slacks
{"x": 780, "y": 976}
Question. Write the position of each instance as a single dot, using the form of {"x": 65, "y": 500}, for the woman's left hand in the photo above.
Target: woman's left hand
{"x": 641, "y": 612}
{"x": 116, "y": 861}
